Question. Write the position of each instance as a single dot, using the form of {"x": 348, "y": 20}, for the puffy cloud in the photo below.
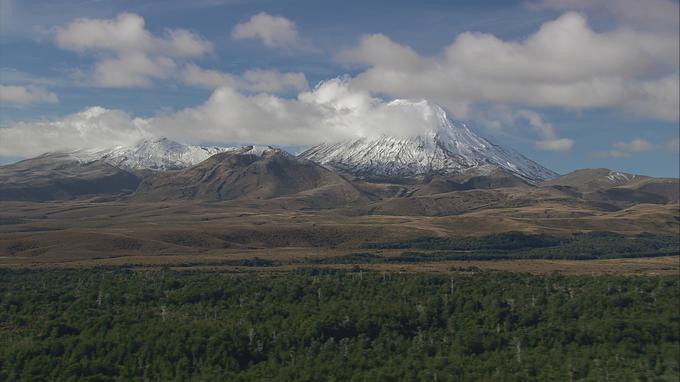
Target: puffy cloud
{"x": 256, "y": 80}
{"x": 557, "y": 144}
{"x": 658, "y": 98}
{"x": 635, "y": 146}
{"x": 273, "y": 31}
{"x": 648, "y": 14}
{"x": 127, "y": 54}
{"x": 12, "y": 76}
{"x": 206, "y": 78}
{"x": 673, "y": 145}
{"x": 565, "y": 64}
{"x": 125, "y": 32}
{"x": 609, "y": 154}
{"x": 25, "y": 95}
{"x": 379, "y": 50}
{"x": 505, "y": 120}
{"x": 132, "y": 69}
{"x": 183, "y": 43}
{"x": 550, "y": 141}
{"x": 331, "y": 111}
{"x": 92, "y": 128}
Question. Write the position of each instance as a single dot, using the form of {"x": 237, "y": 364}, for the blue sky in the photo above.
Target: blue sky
{"x": 569, "y": 83}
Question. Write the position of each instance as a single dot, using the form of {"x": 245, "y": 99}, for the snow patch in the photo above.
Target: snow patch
{"x": 619, "y": 177}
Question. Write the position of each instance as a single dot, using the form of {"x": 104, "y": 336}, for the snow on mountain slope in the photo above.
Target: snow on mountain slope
{"x": 447, "y": 149}
{"x": 593, "y": 179}
{"x": 158, "y": 154}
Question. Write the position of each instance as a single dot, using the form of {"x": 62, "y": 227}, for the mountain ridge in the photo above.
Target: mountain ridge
{"x": 249, "y": 174}
{"x": 616, "y": 187}
{"x": 447, "y": 157}
{"x": 154, "y": 154}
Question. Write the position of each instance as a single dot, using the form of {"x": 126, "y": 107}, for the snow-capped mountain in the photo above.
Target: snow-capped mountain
{"x": 449, "y": 148}
{"x": 158, "y": 154}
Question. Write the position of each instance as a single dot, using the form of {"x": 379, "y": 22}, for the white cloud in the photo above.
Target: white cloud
{"x": 124, "y": 33}
{"x": 379, "y": 50}
{"x": 206, "y": 78}
{"x": 637, "y": 145}
{"x": 658, "y": 98}
{"x": 273, "y": 31}
{"x": 12, "y": 76}
{"x": 132, "y": 69}
{"x": 92, "y": 128}
{"x": 550, "y": 141}
{"x": 127, "y": 33}
{"x": 630, "y": 148}
{"x": 652, "y": 14}
{"x": 565, "y": 64}
{"x": 672, "y": 145}
{"x": 273, "y": 81}
{"x": 24, "y": 95}
{"x": 183, "y": 43}
{"x": 127, "y": 54}
{"x": 331, "y": 111}
{"x": 558, "y": 144}
{"x": 256, "y": 80}
{"x": 609, "y": 154}
{"x": 505, "y": 120}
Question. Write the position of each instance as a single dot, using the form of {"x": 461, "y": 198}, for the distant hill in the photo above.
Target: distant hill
{"x": 444, "y": 172}
{"x": 61, "y": 177}
{"x": 248, "y": 174}
{"x": 471, "y": 180}
{"x": 158, "y": 154}
{"x": 616, "y": 187}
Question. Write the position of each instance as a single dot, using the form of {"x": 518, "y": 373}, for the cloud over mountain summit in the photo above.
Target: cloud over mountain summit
{"x": 332, "y": 111}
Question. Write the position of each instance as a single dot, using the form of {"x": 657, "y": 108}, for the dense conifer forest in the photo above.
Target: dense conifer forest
{"x": 107, "y": 325}
{"x": 519, "y": 245}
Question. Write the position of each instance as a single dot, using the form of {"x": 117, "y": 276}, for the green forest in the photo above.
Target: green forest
{"x": 314, "y": 325}
{"x": 503, "y": 246}
{"x": 519, "y": 245}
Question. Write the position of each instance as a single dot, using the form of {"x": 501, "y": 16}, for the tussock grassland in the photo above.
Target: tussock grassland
{"x": 89, "y": 233}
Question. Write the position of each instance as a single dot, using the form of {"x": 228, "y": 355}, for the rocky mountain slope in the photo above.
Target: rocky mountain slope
{"x": 250, "y": 174}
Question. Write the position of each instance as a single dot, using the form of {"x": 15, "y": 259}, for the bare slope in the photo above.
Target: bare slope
{"x": 619, "y": 188}
{"x": 249, "y": 175}
{"x": 60, "y": 177}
